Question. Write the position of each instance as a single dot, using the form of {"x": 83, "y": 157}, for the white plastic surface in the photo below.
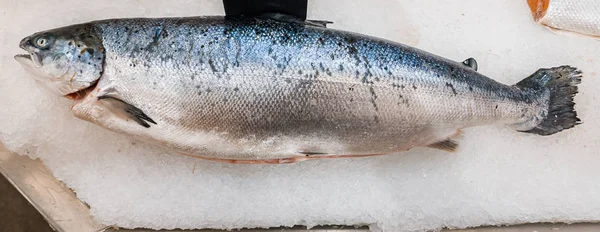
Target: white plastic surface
{"x": 498, "y": 176}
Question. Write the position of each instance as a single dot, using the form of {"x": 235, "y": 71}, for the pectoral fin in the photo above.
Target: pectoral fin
{"x": 126, "y": 110}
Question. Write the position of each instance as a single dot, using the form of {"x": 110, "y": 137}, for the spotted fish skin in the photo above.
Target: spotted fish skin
{"x": 260, "y": 89}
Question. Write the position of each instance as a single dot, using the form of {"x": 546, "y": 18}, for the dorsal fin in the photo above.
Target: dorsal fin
{"x": 281, "y": 10}
{"x": 252, "y": 8}
{"x": 471, "y": 63}
{"x": 293, "y": 19}
{"x": 317, "y": 23}
{"x": 445, "y": 145}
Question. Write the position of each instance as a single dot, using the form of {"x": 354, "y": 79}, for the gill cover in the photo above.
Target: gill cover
{"x": 67, "y": 59}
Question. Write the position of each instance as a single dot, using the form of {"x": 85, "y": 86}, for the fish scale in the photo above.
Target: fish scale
{"x": 260, "y": 89}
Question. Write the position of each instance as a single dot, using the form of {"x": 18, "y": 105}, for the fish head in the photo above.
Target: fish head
{"x": 66, "y": 60}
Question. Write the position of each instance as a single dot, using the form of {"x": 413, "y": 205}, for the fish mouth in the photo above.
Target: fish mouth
{"x": 31, "y": 59}
{"x": 28, "y": 61}
{"x": 23, "y": 56}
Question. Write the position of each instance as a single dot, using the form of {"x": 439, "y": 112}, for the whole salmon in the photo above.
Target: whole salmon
{"x": 272, "y": 90}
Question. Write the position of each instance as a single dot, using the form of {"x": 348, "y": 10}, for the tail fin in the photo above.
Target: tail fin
{"x": 562, "y": 83}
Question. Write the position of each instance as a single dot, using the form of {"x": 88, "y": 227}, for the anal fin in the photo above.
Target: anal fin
{"x": 312, "y": 153}
{"x": 445, "y": 145}
{"x": 127, "y": 110}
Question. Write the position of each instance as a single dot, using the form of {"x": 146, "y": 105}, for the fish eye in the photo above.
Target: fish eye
{"x": 41, "y": 42}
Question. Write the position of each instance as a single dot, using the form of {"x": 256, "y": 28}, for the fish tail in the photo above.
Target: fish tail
{"x": 561, "y": 84}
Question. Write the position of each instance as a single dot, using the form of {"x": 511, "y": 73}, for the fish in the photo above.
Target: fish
{"x": 269, "y": 90}
{"x": 575, "y": 16}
